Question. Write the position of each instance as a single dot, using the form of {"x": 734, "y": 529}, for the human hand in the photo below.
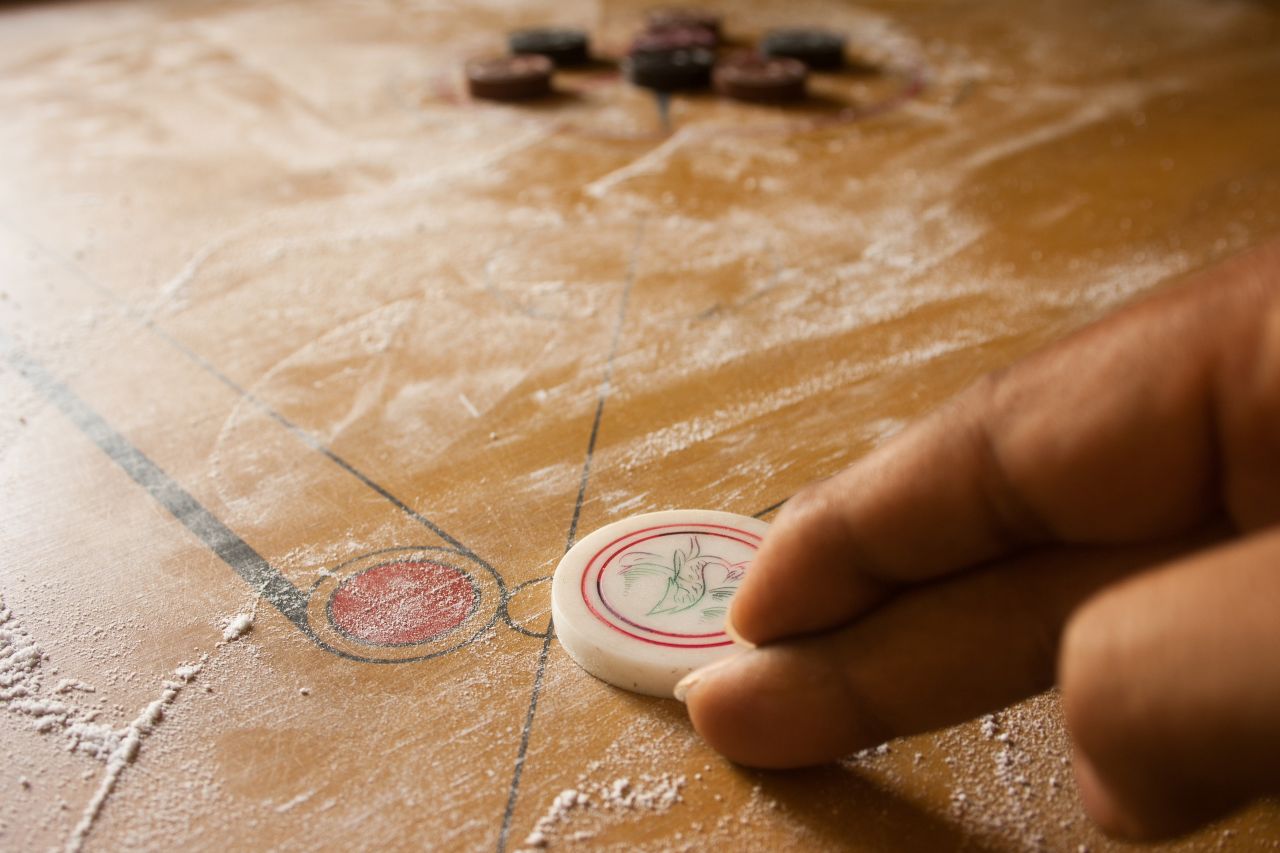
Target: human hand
{"x": 1105, "y": 509}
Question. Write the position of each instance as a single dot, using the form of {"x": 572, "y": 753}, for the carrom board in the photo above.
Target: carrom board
{"x": 313, "y": 367}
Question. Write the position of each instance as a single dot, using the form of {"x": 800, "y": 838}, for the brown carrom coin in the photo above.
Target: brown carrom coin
{"x": 762, "y": 79}
{"x": 510, "y": 78}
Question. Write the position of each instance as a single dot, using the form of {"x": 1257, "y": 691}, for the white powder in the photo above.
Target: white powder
{"x": 22, "y": 693}
{"x": 95, "y": 739}
{"x": 126, "y": 749}
{"x": 66, "y": 685}
{"x": 869, "y": 752}
{"x": 654, "y": 793}
{"x": 557, "y": 813}
{"x": 19, "y": 659}
{"x": 239, "y": 625}
{"x": 1007, "y": 782}
{"x": 296, "y": 801}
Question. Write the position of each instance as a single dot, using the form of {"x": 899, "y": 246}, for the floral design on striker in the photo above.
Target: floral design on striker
{"x": 694, "y": 580}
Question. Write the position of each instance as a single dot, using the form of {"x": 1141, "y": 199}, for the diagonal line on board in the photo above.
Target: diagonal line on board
{"x": 293, "y": 428}
{"x": 234, "y": 551}
{"x": 251, "y": 566}
{"x": 320, "y": 447}
{"x": 606, "y": 386}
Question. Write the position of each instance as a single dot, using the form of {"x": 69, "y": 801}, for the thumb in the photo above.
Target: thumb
{"x": 1171, "y": 688}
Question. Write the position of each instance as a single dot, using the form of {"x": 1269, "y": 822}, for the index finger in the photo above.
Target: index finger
{"x": 1110, "y": 437}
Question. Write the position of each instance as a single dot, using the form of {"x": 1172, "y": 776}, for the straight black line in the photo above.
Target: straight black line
{"x": 586, "y": 475}
{"x": 762, "y": 513}
{"x": 606, "y": 385}
{"x": 222, "y": 540}
{"x": 252, "y": 567}
{"x": 525, "y": 734}
{"x": 306, "y": 437}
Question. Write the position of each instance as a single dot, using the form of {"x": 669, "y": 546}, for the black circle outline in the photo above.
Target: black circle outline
{"x": 511, "y": 623}
{"x": 498, "y": 612}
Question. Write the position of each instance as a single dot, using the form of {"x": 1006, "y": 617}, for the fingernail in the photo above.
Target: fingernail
{"x": 681, "y": 690}
{"x": 737, "y": 638}
{"x": 682, "y": 686}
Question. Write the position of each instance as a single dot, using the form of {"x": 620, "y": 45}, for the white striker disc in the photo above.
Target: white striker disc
{"x": 641, "y": 603}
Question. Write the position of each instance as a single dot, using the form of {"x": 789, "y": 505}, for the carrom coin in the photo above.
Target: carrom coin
{"x": 817, "y": 48}
{"x": 509, "y": 78}
{"x": 762, "y": 79}
{"x": 671, "y": 71}
{"x": 641, "y": 603}
{"x": 564, "y": 47}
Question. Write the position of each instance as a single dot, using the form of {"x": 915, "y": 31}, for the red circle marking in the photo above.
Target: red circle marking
{"x": 398, "y": 604}
{"x": 714, "y": 529}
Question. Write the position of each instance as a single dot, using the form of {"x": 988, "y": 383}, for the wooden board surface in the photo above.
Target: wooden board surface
{"x": 281, "y": 306}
